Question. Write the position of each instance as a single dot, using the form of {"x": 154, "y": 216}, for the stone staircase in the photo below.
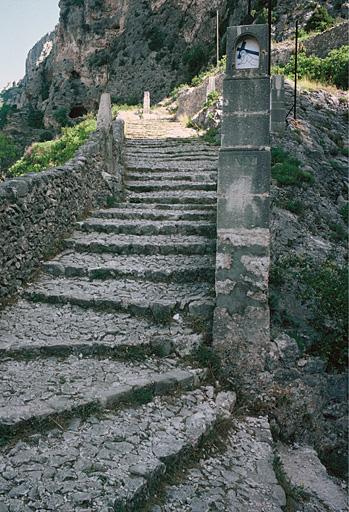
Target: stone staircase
{"x": 104, "y": 405}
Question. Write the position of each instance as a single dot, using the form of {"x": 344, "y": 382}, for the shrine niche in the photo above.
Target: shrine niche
{"x": 247, "y": 53}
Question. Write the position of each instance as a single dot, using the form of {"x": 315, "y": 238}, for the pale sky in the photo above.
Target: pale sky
{"x": 22, "y": 24}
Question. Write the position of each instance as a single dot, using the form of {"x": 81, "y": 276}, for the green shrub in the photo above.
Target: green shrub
{"x": 61, "y": 116}
{"x": 211, "y": 136}
{"x": 212, "y": 99}
{"x": 56, "y": 152}
{"x": 195, "y": 58}
{"x": 344, "y": 211}
{"x": 156, "y": 38}
{"x": 295, "y": 206}
{"x": 320, "y": 20}
{"x": 5, "y": 111}
{"x": 326, "y": 289}
{"x": 9, "y": 152}
{"x": 332, "y": 70}
{"x": 35, "y": 118}
{"x": 286, "y": 169}
{"x": 338, "y": 232}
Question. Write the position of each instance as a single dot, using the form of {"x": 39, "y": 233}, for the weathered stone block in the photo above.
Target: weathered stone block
{"x": 243, "y": 189}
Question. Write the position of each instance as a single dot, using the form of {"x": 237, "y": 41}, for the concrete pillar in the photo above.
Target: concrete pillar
{"x": 146, "y": 103}
{"x": 211, "y": 86}
{"x": 278, "y": 109}
{"x": 241, "y": 330}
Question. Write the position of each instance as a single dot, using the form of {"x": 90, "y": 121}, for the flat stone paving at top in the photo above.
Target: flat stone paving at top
{"x": 29, "y": 389}
{"x": 241, "y": 479}
{"x": 27, "y": 326}
{"x": 104, "y": 462}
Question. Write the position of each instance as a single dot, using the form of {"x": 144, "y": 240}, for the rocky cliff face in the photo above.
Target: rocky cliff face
{"x": 129, "y": 46}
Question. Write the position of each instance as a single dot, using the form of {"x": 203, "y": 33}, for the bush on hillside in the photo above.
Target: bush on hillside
{"x": 286, "y": 169}
{"x": 9, "y": 152}
{"x": 5, "y": 111}
{"x": 326, "y": 288}
{"x": 195, "y": 58}
{"x": 43, "y": 155}
{"x": 333, "y": 69}
{"x": 320, "y": 20}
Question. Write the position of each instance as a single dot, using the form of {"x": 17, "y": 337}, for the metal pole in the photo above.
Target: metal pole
{"x": 249, "y": 7}
{"x": 217, "y": 37}
{"x": 295, "y": 74}
{"x": 269, "y": 23}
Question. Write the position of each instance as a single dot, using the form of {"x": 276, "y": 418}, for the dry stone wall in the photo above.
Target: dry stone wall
{"x": 37, "y": 210}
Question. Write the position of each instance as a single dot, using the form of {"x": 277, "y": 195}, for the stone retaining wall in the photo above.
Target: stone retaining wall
{"x": 38, "y": 210}
{"x": 192, "y": 100}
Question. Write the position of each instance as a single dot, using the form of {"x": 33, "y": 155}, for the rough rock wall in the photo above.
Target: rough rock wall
{"x": 128, "y": 46}
{"x": 37, "y": 210}
{"x": 125, "y": 47}
{"x": 319, "y": 45}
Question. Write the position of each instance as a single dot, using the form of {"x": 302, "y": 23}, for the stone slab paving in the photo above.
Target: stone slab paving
{"x": 146, "y": 227}
{"x": 109, "y": 463}
{"x": 155, "y": 214}
{"x": 239, "y": 478}
{"x": 154, "y": 268}
{"x": 143, "y": 297}
{"x": 133, "y": 244}
{"x": 105, "y": 329}
{"x": 35, "y": 390}
{"x": 197, "y": 177}
{"x": 160, "y": 185}
{"x": 181, "y": 197}
{"x": 28, "y": 329}
{"x": 188, "y": 207}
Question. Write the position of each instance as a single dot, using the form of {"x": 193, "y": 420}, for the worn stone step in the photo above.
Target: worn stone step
{"x": 34, "y": 392}
{"x": 173, "y": 197}
{"x": 238, "y": 477}
{"x": 113, "y": 462}
{"x": 165, "y": 206}
{"x": 29, "y": 330}
{"x": 159, "y": 301}
{"x": 148, "y": 227}
{"x": 135, "y": 165}
{"x": 178, "y": 176}
{"x": 155, "y": 214}
{"x": 161, "y": 185}
{"x": 133, "y": 244}
{"x": 153, "y": 268}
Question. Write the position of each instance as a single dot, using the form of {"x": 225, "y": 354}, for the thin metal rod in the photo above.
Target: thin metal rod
{"x": 295, "y": 74}
{"x": 269, "y": 43}
{"x": 217, "y": 37}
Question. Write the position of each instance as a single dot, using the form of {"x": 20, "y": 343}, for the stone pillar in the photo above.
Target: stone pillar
{"x": 146, "y": 103}
{"x": 278, "y": 109}
{"x": 211, "y": 86}
{"x": 241, "y": 330}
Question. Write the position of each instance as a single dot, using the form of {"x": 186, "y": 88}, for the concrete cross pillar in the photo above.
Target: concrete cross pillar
{"x": 278, "y": 109}
{"x": 146, "y": 103}
{"x": 241, "y": 331}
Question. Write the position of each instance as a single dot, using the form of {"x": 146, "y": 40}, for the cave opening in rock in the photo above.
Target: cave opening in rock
{"x": 77, "y": 111}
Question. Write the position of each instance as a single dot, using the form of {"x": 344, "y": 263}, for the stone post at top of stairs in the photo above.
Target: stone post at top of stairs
{"x": 146, "y": 103}
{"x": 241, "y": 330}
